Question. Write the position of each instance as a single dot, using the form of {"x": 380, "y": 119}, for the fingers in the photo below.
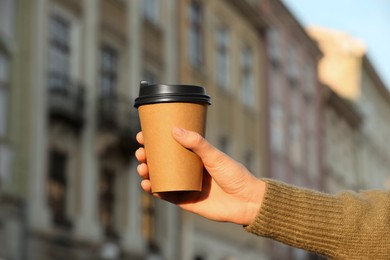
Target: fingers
{"x": 145, "y": 184}
{"x": 140, "y": 138}
{"x": 143, "y": 171}
{"x": 195, "y": 142}
{"x": 142, "y": 168}
{"x": 221, "y": 167}
{"x": 144, "y": 174}
{"x": 140, "y": 155}
{"x": 218, "y": 164}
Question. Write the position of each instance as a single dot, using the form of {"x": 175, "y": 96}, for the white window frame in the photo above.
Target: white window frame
{"x": 4, "y": 78}
{"x": 247, "y": 77}
{"x": 195, "y": 34}
{"x": 273, "y": 42}
{"x": 4, "y": 68}
{"x": 292, "y": 65}
{"x": 151, "y": 10}
{"x": 75, "y": 40}
{"x": 109, "y": 71}
{"x": 309, "y": 80}
{"x": 3, "y": 111}
{"x": 6, "y": 159}
{"x": 6, "y": 19}
{"x": 222, "y": 58}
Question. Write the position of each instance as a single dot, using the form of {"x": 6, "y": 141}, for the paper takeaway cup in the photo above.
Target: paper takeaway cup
{"x": 161, "y": 108}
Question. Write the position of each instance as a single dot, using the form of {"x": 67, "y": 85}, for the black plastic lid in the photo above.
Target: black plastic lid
{"x": 159, "y": 93}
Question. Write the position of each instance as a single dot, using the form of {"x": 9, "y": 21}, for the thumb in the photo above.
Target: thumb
{"x": 218, "y": 164}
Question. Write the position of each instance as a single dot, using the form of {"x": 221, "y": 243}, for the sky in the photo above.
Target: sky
{"x": 367, "y": 20}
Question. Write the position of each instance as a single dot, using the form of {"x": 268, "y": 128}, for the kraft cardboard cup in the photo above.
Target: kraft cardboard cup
{"x": 161, "y": 108}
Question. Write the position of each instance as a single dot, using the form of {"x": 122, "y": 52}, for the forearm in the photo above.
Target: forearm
{"x": 339, "y": 226}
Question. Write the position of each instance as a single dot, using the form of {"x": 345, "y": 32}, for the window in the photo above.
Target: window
{"x": 107, "y": 201}
{"x": 277, "y": 86}
{"x": 6, "y": 18}
{"x": 224, "y": 144}
{"x": 195, "y": 34}
{"x": 312, "y": 145}
{"x": 3, "y": 111}
{"x": 309, "y": 81}
{"x": 109, "y": 72}
{"x": 247, "y": 77}
{"x": 296, "y": 143}
{"x": 6, "y": 159}
{"x": 222, "y": 57}
{"x": 3, "y": 94}
{"x": 312, "y": 156}
{"x": 3, "y": 69}
{"x": 58, "y": 188}
{"x": 277, "y": 128}
{"x": 273, "y": 42}
{"x": 248, "y": 160}
{"x": 59, "y": 52}
{"x": 151, "y": 10}
{"x": 292, "y": 66}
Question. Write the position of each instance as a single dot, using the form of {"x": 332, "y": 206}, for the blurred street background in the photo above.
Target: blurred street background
{"x": 301, "y": 104}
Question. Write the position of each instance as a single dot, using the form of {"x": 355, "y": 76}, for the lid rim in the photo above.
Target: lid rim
{"x": 163, "y": 93}
{"x": 140, "y": 101}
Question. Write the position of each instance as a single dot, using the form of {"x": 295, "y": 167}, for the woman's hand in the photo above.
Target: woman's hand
{"x": 230, "y": 193}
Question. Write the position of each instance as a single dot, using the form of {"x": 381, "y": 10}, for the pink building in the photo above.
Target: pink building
{"x": 293, "y": 105}
{"x": 293, "y": 100}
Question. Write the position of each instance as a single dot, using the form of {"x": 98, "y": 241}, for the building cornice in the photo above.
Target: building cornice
{"x": 379, "y": 84}
{"x": 289, "y": 20}
{"x": 344, "y": 108}
{"x": 251, "y": 13}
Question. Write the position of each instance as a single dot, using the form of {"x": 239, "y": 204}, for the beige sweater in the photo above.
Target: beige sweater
{"x": 347, "y": 225}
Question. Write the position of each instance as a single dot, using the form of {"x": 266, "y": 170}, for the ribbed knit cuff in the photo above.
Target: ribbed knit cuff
{"x": 299, "y": 217}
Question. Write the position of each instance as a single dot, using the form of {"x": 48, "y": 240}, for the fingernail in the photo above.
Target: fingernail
{"x": 178, "y": 131}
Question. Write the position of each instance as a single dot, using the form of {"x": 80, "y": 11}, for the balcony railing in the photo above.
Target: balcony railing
{"x": 66, "y": 100}
{"x": 117, "y": 115}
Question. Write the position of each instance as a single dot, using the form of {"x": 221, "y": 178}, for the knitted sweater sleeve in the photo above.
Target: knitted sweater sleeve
{"x": 346, "y": 225}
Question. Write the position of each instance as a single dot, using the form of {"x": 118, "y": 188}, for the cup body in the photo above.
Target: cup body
{"x": 161, "y": 108}
{"x": 171, "y": 166}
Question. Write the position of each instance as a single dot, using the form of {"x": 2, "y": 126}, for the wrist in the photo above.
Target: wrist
{"x": 256, "y": 201}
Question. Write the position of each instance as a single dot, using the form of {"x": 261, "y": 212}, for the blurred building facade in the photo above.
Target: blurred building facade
{"x": 374, "y": 103}
{"x": 356, "y": 121}
{"x": 222, "y": 48}
{"x": 292, "y": 99}
{"x": 12, "y": 208}
{"x": 342, "y": 127}
{"x": 69, "y": 72}
{"x": 339, "y": 70}
{"x": 73, "y": 126}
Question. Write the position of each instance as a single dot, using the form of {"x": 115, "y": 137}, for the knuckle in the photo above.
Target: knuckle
{"x": 198, "y": 140}
{"x": 198, "y": 144}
